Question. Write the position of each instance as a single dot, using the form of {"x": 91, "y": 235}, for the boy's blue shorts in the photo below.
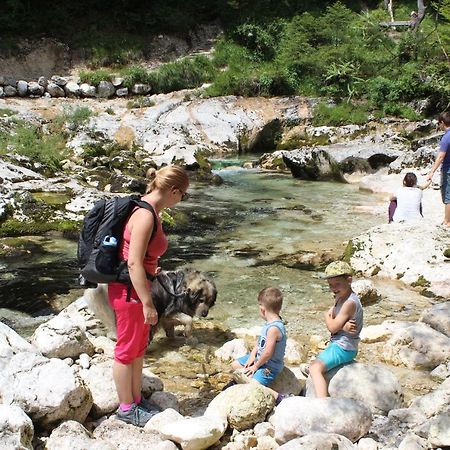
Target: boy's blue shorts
{"x": 334, "y": 356}
{"x": 445, "y": 188}
{"x": 263, "y": 375}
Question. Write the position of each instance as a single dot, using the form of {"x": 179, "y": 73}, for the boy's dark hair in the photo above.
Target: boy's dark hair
{"x": 410, "y": 179}
{"x": 271, "y": 298}
{"x": 444, "y": 118}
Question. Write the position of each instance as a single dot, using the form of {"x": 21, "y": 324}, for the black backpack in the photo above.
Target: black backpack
{"x": 99, "y": 241}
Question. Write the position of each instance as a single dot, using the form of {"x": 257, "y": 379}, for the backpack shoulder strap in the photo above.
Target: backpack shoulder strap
{"x": 143, "y": 204}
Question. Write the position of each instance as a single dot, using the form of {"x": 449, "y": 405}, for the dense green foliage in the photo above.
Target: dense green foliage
{"x": 327, "y": 49}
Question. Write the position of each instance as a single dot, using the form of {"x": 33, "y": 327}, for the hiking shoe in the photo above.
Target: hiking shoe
{"x": 149, "y": 406}
{"x": 135, "y": 415}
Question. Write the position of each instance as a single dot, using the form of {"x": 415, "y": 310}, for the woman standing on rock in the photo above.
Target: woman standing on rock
{"x": 133, "y": 305}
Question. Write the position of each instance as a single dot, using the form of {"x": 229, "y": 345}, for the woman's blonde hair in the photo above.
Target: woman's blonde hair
{"x": 166, "y": 178}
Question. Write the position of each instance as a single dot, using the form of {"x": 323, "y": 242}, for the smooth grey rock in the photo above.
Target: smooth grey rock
{"x": 105, "y": 89}
{"x": 117, "y": 81}
{"x": 2, "y": 92}
{"x": 140, "y": 89}
{"x": 434, "y": 403}
{"x": 87, "y": 90}
{"x": 72, "y": 89}
{"x": 42, "y": 81}
{"x": 9, "y": 91}
{"x": 22, "y": 88}
{"x": 439, "y": 434}
{"x": 299, "y": 416}
{"x": 413, "y": 442}
{"x": 35, "y": 89}
{"x": 122, "y": 92}
{"x": 60, "y": 81}
{"x": 55, "y": 90}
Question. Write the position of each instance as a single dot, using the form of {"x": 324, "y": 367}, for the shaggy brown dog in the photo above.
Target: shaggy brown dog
{"x": 178, "y": 296}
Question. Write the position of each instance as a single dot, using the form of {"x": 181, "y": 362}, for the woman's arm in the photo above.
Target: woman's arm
{"x": 141, "y": 226}
{"x": 439, "y": 158}
{"x": 334, "y": 324}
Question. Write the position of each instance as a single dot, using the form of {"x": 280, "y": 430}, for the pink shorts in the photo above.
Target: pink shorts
{"x": 132, "y": 333}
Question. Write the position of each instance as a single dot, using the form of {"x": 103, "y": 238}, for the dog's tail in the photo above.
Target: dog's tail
{"x": 97, "y": 300}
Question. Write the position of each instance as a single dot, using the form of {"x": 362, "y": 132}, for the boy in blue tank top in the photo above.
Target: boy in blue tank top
{"x": 265, "y": 362}
{"x": 344, "y": 320}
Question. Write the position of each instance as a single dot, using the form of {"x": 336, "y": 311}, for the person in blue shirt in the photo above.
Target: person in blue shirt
{"x": 266, "y": 360}
{"x": 443, "y": 158}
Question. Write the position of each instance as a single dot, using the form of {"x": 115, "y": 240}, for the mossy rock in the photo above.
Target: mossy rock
{"x": 348, "y": 252}
{"x": 447, "y": 253}
{"x": 13, "y": 247}
{"x": 13, "y": 227}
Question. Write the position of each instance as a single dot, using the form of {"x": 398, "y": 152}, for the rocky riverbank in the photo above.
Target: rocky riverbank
{"x": 401, "y": 399}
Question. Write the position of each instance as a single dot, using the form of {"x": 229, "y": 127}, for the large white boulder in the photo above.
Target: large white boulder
{"x": 72, "y": 435}
{"x": 436, "y": 402}
{"x": 195, "y": 433}
{"x": 375, "y": 386}
{"x": 61, "y": 338}
{"x": 243, "y": 405}
{"x": 413, "y": 252}
{"x": 439, "y": 434}
{"x": 298, "y": 416}
{"x": 383, "y": 331}
{"x": 16, "y": 428}
{"x": 11, "y": 344}
{"x": 48, "y": 390}
{"x": 366, "y": 291}
{"x": 438, "y": 317}
{"x": 322, "y": 441}
{"x": 418, "y": 347}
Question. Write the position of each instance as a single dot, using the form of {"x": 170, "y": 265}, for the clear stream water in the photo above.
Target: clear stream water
{"x": 242, "y": 233}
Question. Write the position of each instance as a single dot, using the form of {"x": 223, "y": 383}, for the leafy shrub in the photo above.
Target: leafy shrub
{"x": 342, "y": 114}
{"x": 94, "y": 77}
{"x": 400, "y": 110}
{"x": 257, "y": 39}
{"x": 30, "y": 141}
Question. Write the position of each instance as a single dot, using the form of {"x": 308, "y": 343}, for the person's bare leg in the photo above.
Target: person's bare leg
{"x": 123, "y": 376}
{"x": 236, "y": 365}
{"x": 317, "y": 370}
{"x": 447, "y": 215}
{"x": 136, "y": 385}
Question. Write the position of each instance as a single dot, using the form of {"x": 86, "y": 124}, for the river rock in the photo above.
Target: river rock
{"x": 196, "y": 433}
{"x": 322, "y": 441}
{"x": 438, "y": 317}
{"x": 368, "y": 444}
{"x": 418, "y": 346}
{"x": 16, "y": 428}
{"x": 439, "y": 434}
{"x": 54, "y": 90}
{"x": 419, "y": 158}
{"x": 11, "y": 344}
{"x": 232, "y": 350}
{"x": 126, "y": 436}
{"x": 140, "y": 88}
{"x": 243, "y": 405}
{"x": 60, "y": 81}
{"x": 166, "y": 417}
{"x": 165, "y": 400}
{"x": 105, "y": 89}
{"x": 9, "y": 91}
{"x": 413, "y": 442}
{"x": 287, "y": 383}
{"x": 2, "y": 92}
{"x": 411, "y": 251}
{"x": 35, "y": 89}
{"x": 299, "y": 416}
{"x": 383, "y": 331}
{"x": 441, "y": 372}
{"x": 61, "y": 338}
{"x": 72, "y": 89}
{"x": 377, "y": 386}
{"x": 434, "y": 403}
{"x": 22, "y": 88}
{"x": 87, "y": 90}
{"x": 122, "y": 92}
{"x": 366, "y": 291}
{"x": 272, "y": 161}
{"x": 47, "y": 390}
{"x": 312, "y": 164}
{"x": 72, "y": 435}
{"x": 294, "y": 353}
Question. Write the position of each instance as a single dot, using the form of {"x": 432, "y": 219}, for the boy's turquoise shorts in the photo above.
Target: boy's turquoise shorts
{"x": 334, "y": 356}
{"x": 263, "y": 375}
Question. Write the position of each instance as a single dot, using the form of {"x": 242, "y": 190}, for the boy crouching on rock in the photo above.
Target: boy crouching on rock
{"x": 344, "y": 320}
{"x": 266, "y": 361}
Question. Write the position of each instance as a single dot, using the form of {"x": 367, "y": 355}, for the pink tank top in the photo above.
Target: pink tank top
{"x": 156, "y": 247}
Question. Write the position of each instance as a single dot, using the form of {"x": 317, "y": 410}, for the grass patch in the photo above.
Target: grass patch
{"x": 95, "y": 76}
{"x": 342, "y": 114}
{"x": 140, "y": 102}
{"x": 7, "y": 112}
